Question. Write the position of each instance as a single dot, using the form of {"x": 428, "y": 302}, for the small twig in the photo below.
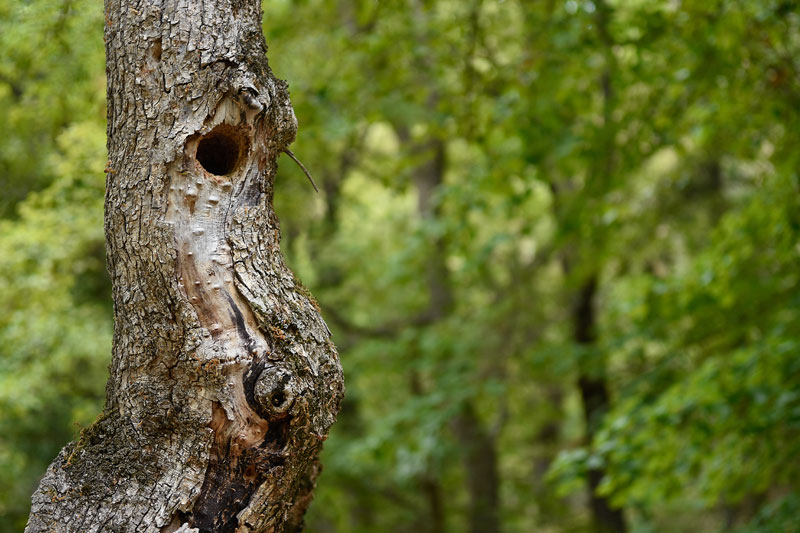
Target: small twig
{"x": 305, "y": 170}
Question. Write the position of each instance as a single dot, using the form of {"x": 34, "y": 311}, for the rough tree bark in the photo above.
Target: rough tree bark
{"x": 224, "y": 381}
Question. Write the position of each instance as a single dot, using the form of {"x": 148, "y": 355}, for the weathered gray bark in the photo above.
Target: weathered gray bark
{"x": 224, "y": 381}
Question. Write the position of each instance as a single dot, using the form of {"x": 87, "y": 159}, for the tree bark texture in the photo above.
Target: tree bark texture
{"x": 224, "y": 381}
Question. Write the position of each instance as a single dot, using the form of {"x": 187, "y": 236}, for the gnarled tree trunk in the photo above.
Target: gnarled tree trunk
{"x": 224, "y": 380}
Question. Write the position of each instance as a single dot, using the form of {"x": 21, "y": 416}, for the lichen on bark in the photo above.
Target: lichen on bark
{"x": 213, "y": 421}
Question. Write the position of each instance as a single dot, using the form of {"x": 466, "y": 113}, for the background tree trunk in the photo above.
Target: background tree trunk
{"x": 480, "y": 457}
{"x": 595, "y": 400}
{"x": 224, "y": 380}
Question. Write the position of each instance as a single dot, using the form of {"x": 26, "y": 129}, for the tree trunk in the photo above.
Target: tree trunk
{"x": 483, "y": 480}
{"x": 595, "y": 400}
{"x": 224, "y": 381}
{"x": 480, "y": 453}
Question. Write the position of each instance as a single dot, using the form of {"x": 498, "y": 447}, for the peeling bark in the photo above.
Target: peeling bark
{"x": 224, "y": 381}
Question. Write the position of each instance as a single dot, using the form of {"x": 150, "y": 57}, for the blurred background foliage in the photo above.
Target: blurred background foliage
{"x": 557, "y": 244}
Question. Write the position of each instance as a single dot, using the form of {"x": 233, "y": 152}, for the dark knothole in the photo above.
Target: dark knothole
{"x": 273, "y": 393}
{"x": 278, "y": 399}
{"x": 220, "y": 150}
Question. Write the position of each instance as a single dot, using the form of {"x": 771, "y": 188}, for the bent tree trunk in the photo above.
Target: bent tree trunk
{"x": 224, "y": 380}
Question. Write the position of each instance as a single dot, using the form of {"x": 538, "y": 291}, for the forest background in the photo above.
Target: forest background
{"x": 556, "y": 242}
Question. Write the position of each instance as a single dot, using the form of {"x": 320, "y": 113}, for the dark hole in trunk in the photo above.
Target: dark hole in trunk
{"x": 219, "y": 151}
{"x": 278, "y": 399}
{"x": 278, "y": 434}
